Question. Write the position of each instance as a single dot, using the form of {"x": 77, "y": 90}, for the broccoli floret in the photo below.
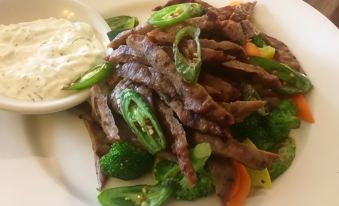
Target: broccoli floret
{"x": 166, "y": 170}
{"x": 286, "y": 151}
{"x": 284, "y": 116}
{"x": 139, "y": 195}
{"x": 126, "y": 161}
{"x": 203, "y": 187}
{"x": 270, "y": 130}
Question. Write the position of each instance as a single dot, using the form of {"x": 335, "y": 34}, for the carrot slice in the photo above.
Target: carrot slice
{"x": 252, "y": 50}
{"x": 242, "y": 186}
{"x": 304, "y": 111}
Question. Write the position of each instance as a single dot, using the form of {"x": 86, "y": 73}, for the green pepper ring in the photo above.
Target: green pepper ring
{"x": 152, "y": 143}
{"x": 94, "y": 75}
{"x": 188, "y": 71}
{"x": 174, "y": 14}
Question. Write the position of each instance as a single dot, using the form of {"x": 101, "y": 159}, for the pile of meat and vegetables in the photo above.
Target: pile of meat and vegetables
{"x": 198, "y": 97}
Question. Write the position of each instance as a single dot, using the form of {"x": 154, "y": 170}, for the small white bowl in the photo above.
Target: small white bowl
{"x": 15, "y": 11}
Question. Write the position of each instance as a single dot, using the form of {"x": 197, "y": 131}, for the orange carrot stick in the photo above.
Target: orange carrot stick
{"x": 304, "y": 111}
{"x": 242, "y": 186}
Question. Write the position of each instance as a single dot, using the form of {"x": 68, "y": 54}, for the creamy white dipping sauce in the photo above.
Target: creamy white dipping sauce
{"x": 39, "y": 58}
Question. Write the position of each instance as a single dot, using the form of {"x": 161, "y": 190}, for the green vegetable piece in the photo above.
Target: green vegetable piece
{"x": 93, "y": 76}
{"x": 284, "y": 116}
{"x": 200, "y": 154}
{"x": 142, "y": 121}
{"x": 188, "y": 69}
{"x": 166, "y": 170}
{"x": 202, "y": 188}
{"x": 258, "y": 41}
{"x": 126, "y": 161}
{"x": 119, "y": 24}
{"x": 293, "y": 82}
{"x": 287, "y": 151}
{"x": 267, "y": 131}
{"x": 175, "y": 14}
{"x": 139, "y": 195}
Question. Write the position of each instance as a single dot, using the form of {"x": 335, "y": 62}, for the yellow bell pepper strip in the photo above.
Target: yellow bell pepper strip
{"x": 257, "y": 47}
{"x": 93, "y": 76}
{"x": 142, "y": 121}
{"x": 175, "y": 14}
{"x": 260, "y": 178}
{"x": 188, "y": 69}
{"x": 304, "y": 111}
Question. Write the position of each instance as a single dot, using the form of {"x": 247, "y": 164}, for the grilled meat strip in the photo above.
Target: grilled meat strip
{"x": 255, "y": 71}
{"x": 100, "y": 143}
{"x": 223, "y": 176}
{"x": 241, "y": 109}
{"x": 225, "y": 91}
{"x": 251, "y": 157}
{"x": 194, "y": 96}
{"x": 163, "y": 87}
{"x": 103, "y": 114}
{"x": 120, "y": 39}
{"x": 178, "y": 141}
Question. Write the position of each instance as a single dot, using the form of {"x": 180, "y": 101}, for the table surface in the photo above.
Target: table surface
{"x": 330, "y": 8}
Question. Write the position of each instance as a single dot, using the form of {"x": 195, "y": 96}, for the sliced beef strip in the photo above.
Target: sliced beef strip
{"x": 153, "y": 79}
{"x": 226, "y": 92}
{"x": 241, "y": 109}
{"x": 120, "y": 39}
{"x": 188, "y": 49}
{"x": 178, "y": 140}
{"x": 223, "y": 176}
{"x": 237, "y": 12}
{"x": 100, "y": 143}
{"x": 165, "y": 36}
{"x": 148, "y": 76}
{"x": 103, "y": 114}
{"x": 226, "y": 46}
{"x": 211, "y": 55}
{"x": 249, "y": 29}
{"x": 249, "y": 156}
{"x": 283, "y": 53}
{"x": 233, "y": 31}
{"x": 100, "y": 147}
{"x": 255, "y": 71}
{"x": 194, "y": 96}
{"x": 124, "y": 54}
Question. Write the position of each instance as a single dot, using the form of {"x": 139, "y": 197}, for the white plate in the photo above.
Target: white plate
{"x": 15, "y": 11}
{"x": 47, "y": 160}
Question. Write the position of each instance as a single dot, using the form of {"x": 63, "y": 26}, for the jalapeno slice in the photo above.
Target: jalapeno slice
{"x": 142, "y": 121}
{"x": 293, "y": 82}
{"x": 94, "y": 75}
{"x": 174, "y": 14}
{"x": 119, "y": 24}
{"x": 188, "y": 69}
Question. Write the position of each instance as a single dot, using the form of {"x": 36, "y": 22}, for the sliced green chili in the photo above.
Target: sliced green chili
{"x": 119, "y": 24}
{"x": 94, "y": 75}
{"x": 188, "y": 69}
{"x": 174, "y": 14}
{"x": 293, "y": 82}
{"x": 142, "y": 121}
